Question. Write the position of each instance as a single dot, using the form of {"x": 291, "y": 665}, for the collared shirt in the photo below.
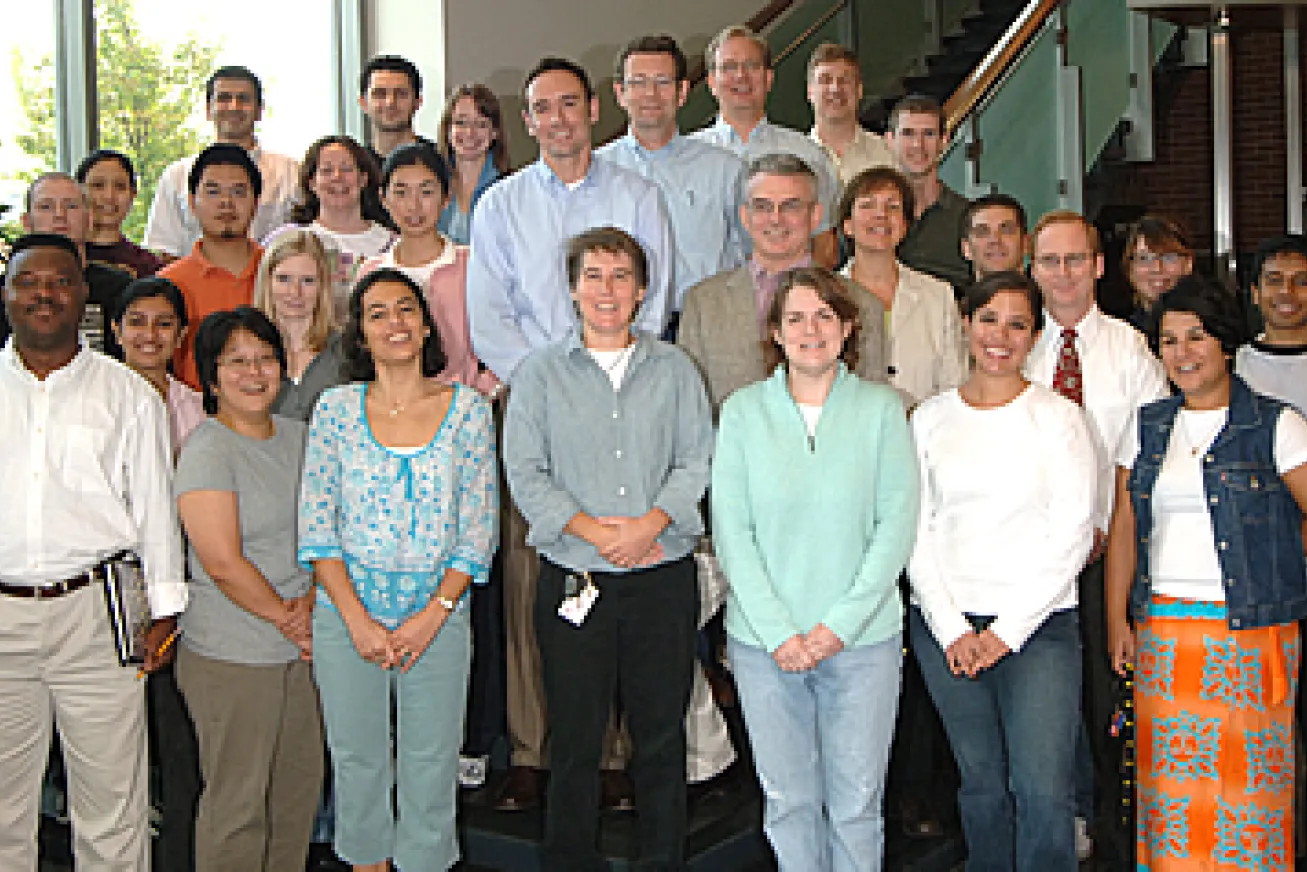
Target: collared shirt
{"x": 612, "y": 452}
{"x": 934, "y": 241}
{"x": 185, "y": 412}
{"x": 866, "y": 150}
{"x": 702, "y": 186}
{"x": 768, "y": 138}
{"x": 85, "y": 466}
{"x": 765, "y": 285}
{"x": 173, "y": 228}
{"x": 1120, "y": 374}
{"x": 207, "y": 288}
{"x": 517, "y": 288}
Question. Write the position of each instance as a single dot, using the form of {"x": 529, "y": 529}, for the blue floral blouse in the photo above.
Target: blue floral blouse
{"x": 399, "y": 519}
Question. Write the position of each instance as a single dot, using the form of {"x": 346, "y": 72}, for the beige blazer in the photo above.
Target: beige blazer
{"x": 719, "y": 330}
{"x": 927, "y": 351}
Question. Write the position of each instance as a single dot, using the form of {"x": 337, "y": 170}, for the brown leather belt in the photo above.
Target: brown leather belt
{"x": 55, "y": 589}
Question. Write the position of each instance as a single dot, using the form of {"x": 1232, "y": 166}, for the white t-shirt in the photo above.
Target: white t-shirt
{"x": 1182, "y": 546}
{"x": 811, "y": 415}
{"x": 613, "y": 363}
{"x": 1276, "y": 371}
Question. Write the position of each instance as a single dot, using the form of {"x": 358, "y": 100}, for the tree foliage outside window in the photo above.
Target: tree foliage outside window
{"x": 149, "y": 100}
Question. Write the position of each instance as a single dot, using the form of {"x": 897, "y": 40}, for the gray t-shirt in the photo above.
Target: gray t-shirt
{"x": 265, "y": 476}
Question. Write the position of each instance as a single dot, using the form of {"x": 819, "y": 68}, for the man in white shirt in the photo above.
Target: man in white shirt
{"x": 85, "y": 460}
{"x": 1104, "y": 364}
{"x": 835, "y": 90}
{"x": 740, "y": 77}
{"x": 233, "y": 101}
{"x": 1275, "y": 363}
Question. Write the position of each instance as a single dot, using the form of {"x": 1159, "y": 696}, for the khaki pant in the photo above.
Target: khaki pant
{"x": 58, "y": 669}
{"x": 260, "y": 736}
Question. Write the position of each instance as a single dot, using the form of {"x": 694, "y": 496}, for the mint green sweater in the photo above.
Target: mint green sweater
{"x": 813, "y": 531}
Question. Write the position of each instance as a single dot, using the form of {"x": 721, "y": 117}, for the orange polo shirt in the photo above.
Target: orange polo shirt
{"x": 207, "y": 288}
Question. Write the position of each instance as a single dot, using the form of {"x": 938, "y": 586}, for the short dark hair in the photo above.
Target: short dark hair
{"x": 613, "y": 240}
{"x": 413, "y": 154}
{"x": 358, "y": 358}
{"x": 561, "y": 65}
{"x": 149, "y": 288}
{"x": 225, "y": 154}
{"x": 1216, "y": 308}
{"x": 487, "y": 105}
{"x": 829, "y": 53}
{"x": 233, "y": 72}
{"x": 832, "y": 291}
{"x": 874, "y": 179}
{"x": 993, "y": 201}
{"x": 100, "y": 155}
{"x": 306, "y": 210}
{"x": 1275, "y": 246}
{"x": 391, "y": 64}
{"x": 212, "y": 337}
{"x": 978, "y": 294}
{"x": 917, "y": 104}
{"x": 658, "y": 44}
{"x": 29, "y": 241}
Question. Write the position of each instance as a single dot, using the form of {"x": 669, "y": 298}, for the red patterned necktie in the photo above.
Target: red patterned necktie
{"x": 1067, "y": 379}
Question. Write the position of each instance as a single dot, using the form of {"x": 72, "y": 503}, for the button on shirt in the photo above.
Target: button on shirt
{"x": 768, "y": 138}
{"x": 866, "y": 150}
{"x": 574, "y": 444}
{"x": 1119, "y": 373}
{"x": 702, "y": 187}
{"x": 517, "y": 288}
{"x": 85, "y": 467}
{"x": 173, "y": 228}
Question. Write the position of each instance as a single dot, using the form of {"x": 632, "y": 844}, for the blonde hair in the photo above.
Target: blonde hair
{"x": 1067, "y": 216}
{"x": 291, "y": 244}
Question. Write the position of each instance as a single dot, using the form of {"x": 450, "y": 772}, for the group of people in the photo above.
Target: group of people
{"x": 350, "y": 381}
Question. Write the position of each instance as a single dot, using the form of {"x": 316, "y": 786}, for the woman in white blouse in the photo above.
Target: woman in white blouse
{"x": 1007, "y": 494}
{"x": 927, "y": 351}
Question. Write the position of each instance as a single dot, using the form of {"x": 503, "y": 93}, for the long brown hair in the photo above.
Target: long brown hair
{"x": 830, "y": 290}
{"x": 487, "y": 105}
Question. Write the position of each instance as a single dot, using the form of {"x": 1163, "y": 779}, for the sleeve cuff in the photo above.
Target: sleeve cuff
{"x": 168, "y": 599}
{"x": 308, "y": 554}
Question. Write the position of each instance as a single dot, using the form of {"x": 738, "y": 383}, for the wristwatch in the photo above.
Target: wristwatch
{"x": 445, "y": 603}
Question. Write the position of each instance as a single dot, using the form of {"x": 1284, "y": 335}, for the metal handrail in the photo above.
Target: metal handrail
{"x": 807, "y": 34}
{"x": 982, "y": 80}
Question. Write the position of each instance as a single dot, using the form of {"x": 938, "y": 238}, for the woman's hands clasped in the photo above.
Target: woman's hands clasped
{"x": 401, "y": 647}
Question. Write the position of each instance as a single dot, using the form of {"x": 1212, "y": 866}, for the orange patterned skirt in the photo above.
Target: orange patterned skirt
{"x": 1214, "y": 715}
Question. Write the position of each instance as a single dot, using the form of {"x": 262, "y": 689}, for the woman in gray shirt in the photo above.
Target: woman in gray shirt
{"x": 243, "y": 659}
{"x": 606, "y": 444}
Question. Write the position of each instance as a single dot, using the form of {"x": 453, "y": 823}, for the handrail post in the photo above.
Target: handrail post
{"x": 1070, "y": 123}
{"x": 1293, "y": 121}
{"x": 1223, "y": 249}
{"x": 1139, "y": 113}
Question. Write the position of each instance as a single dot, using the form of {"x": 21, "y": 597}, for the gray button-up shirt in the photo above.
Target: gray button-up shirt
{"x": 574, "y": 444}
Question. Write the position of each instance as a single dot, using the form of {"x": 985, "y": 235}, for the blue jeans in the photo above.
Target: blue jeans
{"x": 429, "y": 703}
{"x": 1014, "y": 730}
{"x": 821, "y": 743}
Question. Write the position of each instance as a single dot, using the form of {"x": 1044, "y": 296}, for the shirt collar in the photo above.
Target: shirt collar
{"x": 673, "y": 147}
{"x": 1086, "y": 328}
{"x": 760, "y": 273}
{"x": 208, "y": 267}
{"x": 10, "y": 358}
{"x": 729, "y": 131}
{"x": 593, "y": 175}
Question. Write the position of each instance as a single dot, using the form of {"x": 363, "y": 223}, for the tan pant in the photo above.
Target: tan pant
{"x": 58, "y": 669}
{"x": 260, "y": 736}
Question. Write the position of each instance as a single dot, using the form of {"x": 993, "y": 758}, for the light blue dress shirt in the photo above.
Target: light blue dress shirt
{"x": 702, "y": 187}
{"x": 768, "y": 138}
{"x": 518, "y": 298}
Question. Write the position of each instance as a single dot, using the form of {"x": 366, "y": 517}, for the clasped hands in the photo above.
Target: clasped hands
{"x": 401, "y": 647}
{"x": 296, "y": 623}
{"x": 973, "y": 653}
{"x": 630, "y": 542}
{"x": 802, "y": 652}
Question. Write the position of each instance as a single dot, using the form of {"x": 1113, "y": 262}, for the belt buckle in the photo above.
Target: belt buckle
{"x": 39, "y": 592}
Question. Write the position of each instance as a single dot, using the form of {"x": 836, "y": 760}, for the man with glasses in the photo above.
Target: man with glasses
{"x": 1104, "y": 365}
{"x": 219, "y": 272}
{"x": 994, "y": 235}
{"x": 722, "y": 324}
{"x": 233, "y": 101}
{"x": 701, "y": 183}
{"x": 740, "y": 77}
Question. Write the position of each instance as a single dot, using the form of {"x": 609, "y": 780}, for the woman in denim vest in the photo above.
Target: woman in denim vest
{"x": 1206, "y": 581}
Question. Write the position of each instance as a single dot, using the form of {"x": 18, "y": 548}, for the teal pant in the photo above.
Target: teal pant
{"x": 429, "y": 704}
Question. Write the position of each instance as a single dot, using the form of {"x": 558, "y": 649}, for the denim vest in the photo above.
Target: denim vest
{"x": 1257, "y": 522}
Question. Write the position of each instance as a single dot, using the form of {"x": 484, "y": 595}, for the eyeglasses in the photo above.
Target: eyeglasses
{"x": 263, "y": 361}
{"x": 1149, "y": 259}
{"x": 1277, "y": 280}
{"x": 792, "y": 208}
{"x": 731, "y": 67}
{"x": 1076, "y": 260}
{"x": 645, "y": 83}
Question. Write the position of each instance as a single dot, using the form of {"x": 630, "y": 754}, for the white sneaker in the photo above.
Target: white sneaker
{"x": 472, "y": 771}
{"x": 1084, "y": 844}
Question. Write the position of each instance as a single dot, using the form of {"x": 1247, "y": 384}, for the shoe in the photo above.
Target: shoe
{"x": 918, "y": 822}
{"x": 520, "y": 790}
{"x": 616, "y": 792}
{"x": 472, "y": 771}
{"x": 1084, "y": 844}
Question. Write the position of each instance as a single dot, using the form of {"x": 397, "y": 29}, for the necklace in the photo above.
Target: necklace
{"x": 1197, "y": 446}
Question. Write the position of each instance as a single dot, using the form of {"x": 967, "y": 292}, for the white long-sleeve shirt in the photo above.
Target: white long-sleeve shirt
{"x": 85, "y": 467}
{"x": 1007, "y": 498}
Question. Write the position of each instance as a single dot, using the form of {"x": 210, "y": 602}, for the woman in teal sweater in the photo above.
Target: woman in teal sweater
{"x": 814, "y": 507}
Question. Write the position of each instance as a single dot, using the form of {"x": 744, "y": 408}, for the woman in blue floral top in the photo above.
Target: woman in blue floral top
{"x": 397, "y": 516}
